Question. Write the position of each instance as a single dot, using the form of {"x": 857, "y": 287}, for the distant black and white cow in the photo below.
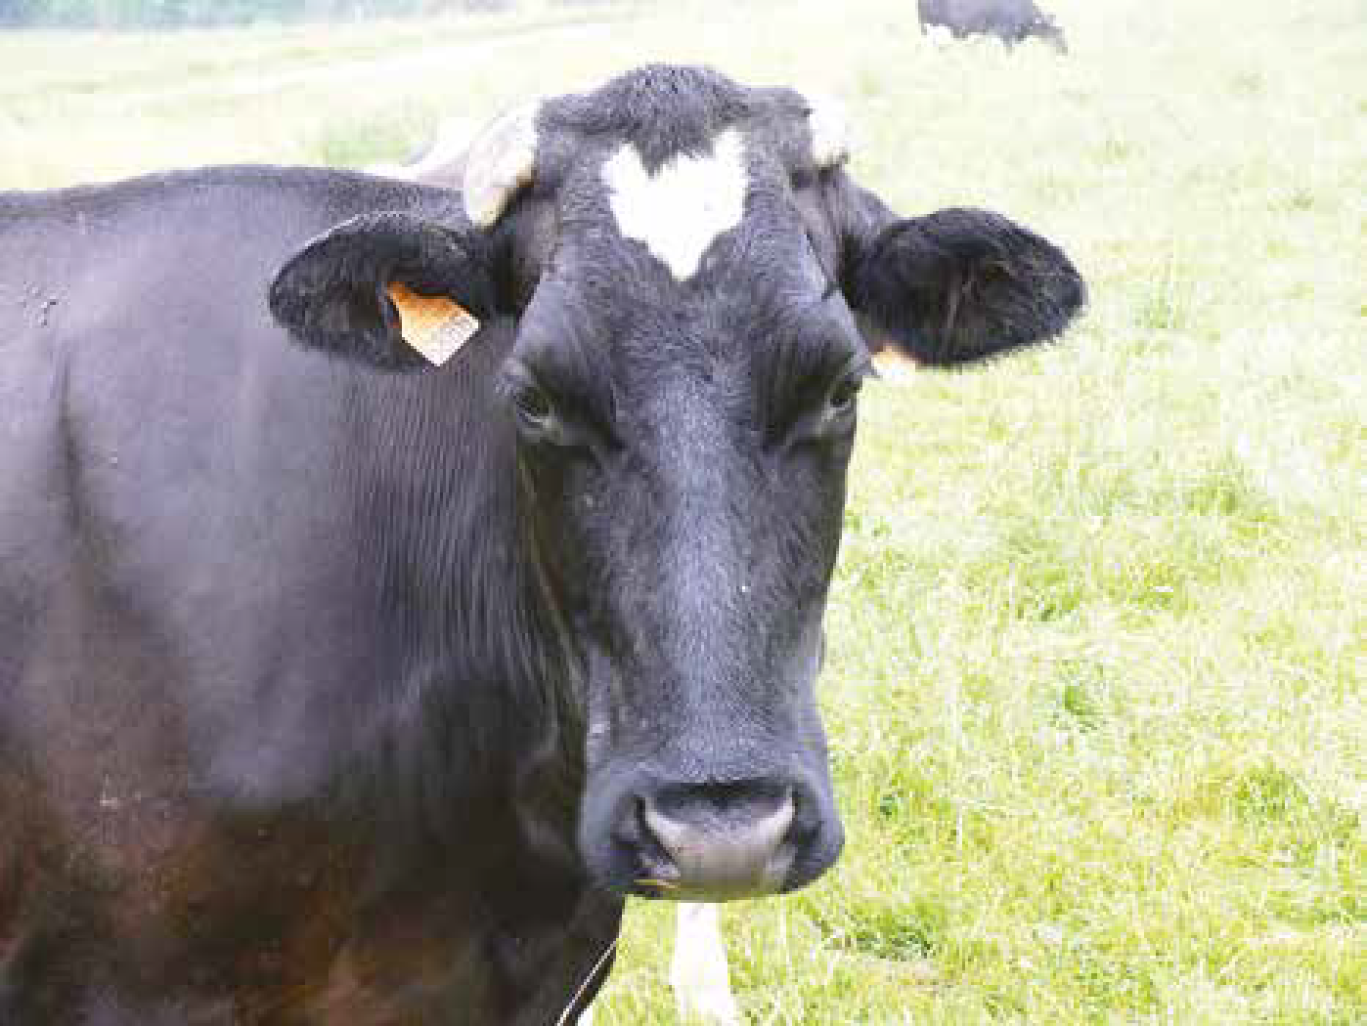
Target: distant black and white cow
{"x": 335, "y": 687}
{"x": 1012, "y": 21}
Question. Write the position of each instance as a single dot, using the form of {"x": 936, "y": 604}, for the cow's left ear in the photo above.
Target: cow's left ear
{"x": 960, "y": 285}
{"x": 391, "y": 290}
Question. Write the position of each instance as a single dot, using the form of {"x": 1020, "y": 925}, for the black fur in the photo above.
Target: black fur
{"x": 960, "y": 285}
{"x": 660, "y": 109}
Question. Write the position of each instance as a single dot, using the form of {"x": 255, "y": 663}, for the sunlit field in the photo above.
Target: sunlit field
{"x": 1095, "y": 684}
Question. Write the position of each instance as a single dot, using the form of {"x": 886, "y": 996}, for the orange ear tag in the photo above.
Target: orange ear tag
{"x": 894, "y": 366}
{"x": 436, "y": 326}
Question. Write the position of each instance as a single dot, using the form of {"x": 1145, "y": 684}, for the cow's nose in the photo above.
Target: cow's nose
{"x": 718, "y": 841}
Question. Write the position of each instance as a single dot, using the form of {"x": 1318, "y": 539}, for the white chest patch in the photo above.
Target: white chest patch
{"x": 678, "y": 211}
{"x": 698, "y": 971}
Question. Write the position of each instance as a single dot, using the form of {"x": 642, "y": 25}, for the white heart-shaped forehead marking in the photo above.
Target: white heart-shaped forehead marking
{"x": 679, "y": 211}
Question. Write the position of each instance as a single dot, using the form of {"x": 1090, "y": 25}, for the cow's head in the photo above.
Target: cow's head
{"x": 698, "y": 288}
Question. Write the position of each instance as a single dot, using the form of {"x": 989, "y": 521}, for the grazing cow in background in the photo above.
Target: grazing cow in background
{"x": 335, "y": 687}
{"x": 1012, "y": 21}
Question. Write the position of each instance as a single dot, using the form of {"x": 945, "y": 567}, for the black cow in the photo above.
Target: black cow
{"x": 333, "y": 690}
{"x": 1012, "y": 21}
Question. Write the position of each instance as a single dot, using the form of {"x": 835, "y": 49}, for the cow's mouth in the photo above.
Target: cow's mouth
{"x": 716, "y": 842}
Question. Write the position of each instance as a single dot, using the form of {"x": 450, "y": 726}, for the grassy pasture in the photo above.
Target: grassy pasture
{"x": 1098, "y": 644}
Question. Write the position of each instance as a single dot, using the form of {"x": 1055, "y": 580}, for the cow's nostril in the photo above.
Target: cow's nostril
{"x": 726, "y": 840}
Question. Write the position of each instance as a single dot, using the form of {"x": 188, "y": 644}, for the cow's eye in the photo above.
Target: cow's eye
{"x": 821, "y": 410}
{"x": 547, "y": 416}
{"x": 843, "y": 395}
{"x": 534, "y": 410}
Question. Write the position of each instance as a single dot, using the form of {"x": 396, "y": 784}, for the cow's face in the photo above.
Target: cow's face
{"x": 699, "y": 289}
{"x": 685, "y": 497}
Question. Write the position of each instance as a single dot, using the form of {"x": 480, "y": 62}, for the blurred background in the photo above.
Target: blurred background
{"x": 1095, "y": 683}
{"x": 128, "y": 14}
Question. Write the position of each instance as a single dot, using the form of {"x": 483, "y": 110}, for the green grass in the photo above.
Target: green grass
{"x": 1098, "y": 640}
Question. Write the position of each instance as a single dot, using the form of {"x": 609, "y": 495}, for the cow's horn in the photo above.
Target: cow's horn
{"x": 500, "y": 164}
{"x": 830, "y": 130}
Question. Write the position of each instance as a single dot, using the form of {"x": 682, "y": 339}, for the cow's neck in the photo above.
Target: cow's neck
{"x": 484, "y": 712}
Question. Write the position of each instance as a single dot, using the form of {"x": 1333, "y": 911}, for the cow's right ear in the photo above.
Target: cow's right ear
{"x": 362, "y": 288}
{"x": 961, "y": 285}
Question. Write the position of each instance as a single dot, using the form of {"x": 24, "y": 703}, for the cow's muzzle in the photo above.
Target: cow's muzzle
{"x": 723, "y": 841}
{"x": 713, "y": 841}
